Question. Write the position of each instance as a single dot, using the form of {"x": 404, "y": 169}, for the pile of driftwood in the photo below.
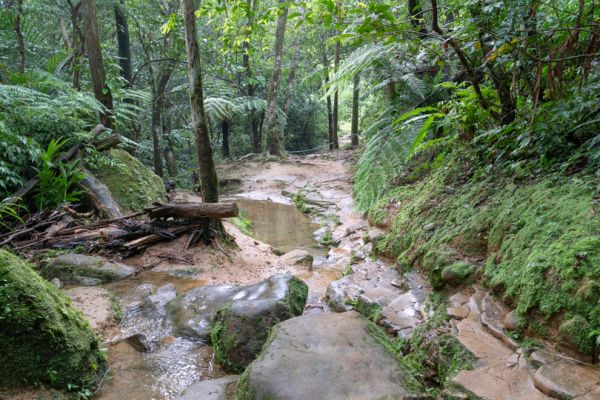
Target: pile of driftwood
{"x": 66, "y": 228}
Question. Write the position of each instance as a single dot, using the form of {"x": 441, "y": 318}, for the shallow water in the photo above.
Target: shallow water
{"x": 176, "y": 362}
{"x": 281, "y": 225}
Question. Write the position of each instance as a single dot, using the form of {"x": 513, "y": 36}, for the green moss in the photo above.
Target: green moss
{"x": 297, "y": 296}
{"x": 132, "y": 184}
{"x": 370, "y": 311}
{"x": 457, "y": 273}
{"x": 42, "y": 338}
{"x": 538, "y": 240}
{"x": 576, "y": 332}
{"x": 243, "y": 224}
{"x": 243, "y": 390}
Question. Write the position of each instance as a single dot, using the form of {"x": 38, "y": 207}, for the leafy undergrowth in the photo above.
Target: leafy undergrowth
{"x": 535, "y": 242}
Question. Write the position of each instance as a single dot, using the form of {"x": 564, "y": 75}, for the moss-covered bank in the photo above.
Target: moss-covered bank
{"x": 42, "y": 338}
{"x": 132, "y": 184}
{"x": 536, "y": 242}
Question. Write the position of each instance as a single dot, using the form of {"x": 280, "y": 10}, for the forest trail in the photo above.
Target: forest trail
{"x": 149, "y": 360}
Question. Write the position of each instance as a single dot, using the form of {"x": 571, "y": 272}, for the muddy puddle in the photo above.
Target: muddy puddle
{"x": 281, "y": 225}
{"x": 174, "y": 363}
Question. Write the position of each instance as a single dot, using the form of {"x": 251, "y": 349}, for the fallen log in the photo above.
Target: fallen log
{"x": 194, "y": 211}
{"x": 155, "y": 237}
{"x": 100, "y": 197}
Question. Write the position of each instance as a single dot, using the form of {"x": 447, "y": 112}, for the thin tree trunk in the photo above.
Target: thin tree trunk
{"x": 20, "y": 38}
{"x": 123, "y": 42}
{"x": 167, "y": 128}
{"x": 250, "y": 86}
{"x": 292, "y": 77}
{"x": 225, "y": 129}
{"x": 77, "y": 44}
{"x": 355, "y": 110}
{"x": 336, "y": 100}
{"x": 274, "y": 140}
{"x": 101, "y": 90}
{"x": 209, "y": 182}
{"x": 329, "y": 108}
{"x": 158, "y": 101}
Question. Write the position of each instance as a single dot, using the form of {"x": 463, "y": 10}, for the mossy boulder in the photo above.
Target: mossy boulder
{"x": 132, "y": 184}
{"x": 457, "y": 273}
{"x": 574, "y": 332}
{"x": 43, "y": 339}
{"x": 242, "y": 326}
{"x": 80, "y": 268}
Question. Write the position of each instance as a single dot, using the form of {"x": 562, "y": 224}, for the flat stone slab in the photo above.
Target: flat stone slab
{"x": 566, "y": 380}
{"x": 96, "y": 305}
{"x": 87, "y": 270}
{"x": 213, "y": 389}
{"x": 324, "y": 356}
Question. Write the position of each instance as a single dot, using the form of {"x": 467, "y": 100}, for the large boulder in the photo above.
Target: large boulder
{"x": 298, "y": 257}
{"x": 323, "y": 356}
{"x": 242, "y": 326}
{"x": 43, "y": 339}
{"x": 193, "y": 312}
{"x": 85, "y": 270}
{"x": 132, "y": 184}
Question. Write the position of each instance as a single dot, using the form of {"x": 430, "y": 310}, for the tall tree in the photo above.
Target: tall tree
{"x": 355, "y": 110}
{"x": 123, "y": 42}
{"x": 335, "y": 124}
{"x": 77, "y": 43}
{"x": 209, "y": 183}
{"x": 251, "y": 8}
{"x": 158, "y": 101}
{"x": 274, "y": 140}
{"x": 329, "y": 107}
{"x": 101, "y": 90}
{"x": 20, "y": 37}
{"x": 292, "y": 76}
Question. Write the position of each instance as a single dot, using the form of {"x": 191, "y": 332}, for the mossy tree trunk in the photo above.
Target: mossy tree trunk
{"x": 355, "y": 111}
{"x": 209, "y": 183}
{"x": 123, "y": 42}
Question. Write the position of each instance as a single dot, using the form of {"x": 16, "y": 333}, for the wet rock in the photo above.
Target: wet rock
{"x": 575, "y": 333}
{"x": 458, "y": 312}
{"x": 323, "y": 356}
{"x": 213, "y": 389}
{"x": 541, "y": 357}
{"x": 513, "y": 321}
{"x": 457, "y": 273}
{"x": 242, "y": 326}
{"x": 337, "y": 294}
{"x": 193, "y": 311}
{"x": 140, "y": 342}
{"x": 86, "y": 270}
{"x": 298, "y": 257}
{"x": 56, "y": 282}
{"x": 566, "y": 380}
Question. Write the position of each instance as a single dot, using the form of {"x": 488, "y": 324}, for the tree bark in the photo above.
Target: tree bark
{"x": 101, "y": 90}
{"x": 336, "y": 100}
{"x": 20, "y": 38}
{"x": 158, "y": 91}
{"x": 274, "y": 140}
{"x": 292, "y": 77}
{"x": 250, "y": 86}
{"x": 355, "y": 110}
{"x": 77, "y": 44}
{"x": 225, "y": 129}
{"x": 167, "y": 127}
{"x": 194, "y": 210}
{"x": 329, "y": 107}
{"x": 123, "y": 42}
{"x": 209, "y": 183}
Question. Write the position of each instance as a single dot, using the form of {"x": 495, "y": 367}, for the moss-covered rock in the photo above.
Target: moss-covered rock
{"x": 242, "y": 327}
{"x": 457, "y": 273}
{"x": 538, "y": 239}
{"x": 42, "y": 338}
{"x": 575, "y": 332}
{"x": 71, "y": 267}
{"x": 132, "y": 184}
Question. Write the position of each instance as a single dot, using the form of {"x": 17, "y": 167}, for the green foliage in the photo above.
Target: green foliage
{"x": 17, "y": 153}
{"x": 42, "y": 338}
{"x": 56, "y": 179}
{"x": 243, "y": 223}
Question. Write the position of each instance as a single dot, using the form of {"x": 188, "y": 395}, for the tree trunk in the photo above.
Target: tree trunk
{"x": 274, "y": 140}
{"x": 20, "y": 37}
{"x": 167, "y": 127}
{"x": 77, "y": 44}
{"x": 415, "y": 13}
{"x": 97, "y": 72}
{"x": 329, "y": 108}
{"x": 336, "y": 101}
{"x": 123, "y": 42}
{"x": 292, "y": 77}
{"x": 158, "y": 101}
{"x": 355, "y": 100}
{"x": 194, "y": 210}
{"x": 253, "y": 121}
{"x": 209, "y": 183}
{"x": 225, "y": 129}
